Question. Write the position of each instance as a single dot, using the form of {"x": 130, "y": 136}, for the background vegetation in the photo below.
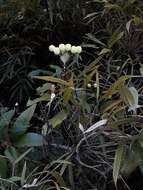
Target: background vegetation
{"x": 85, "y": 132}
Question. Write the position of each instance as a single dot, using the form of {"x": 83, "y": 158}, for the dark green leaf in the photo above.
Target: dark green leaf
{"x": 29, "y": 139}
{"x": 22, "y": 122}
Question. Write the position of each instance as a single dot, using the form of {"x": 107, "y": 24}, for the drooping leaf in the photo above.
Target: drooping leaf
{"x": 58, "y": 119}
{"x": 117, "y": 162}
{"x": 29, "y": 140}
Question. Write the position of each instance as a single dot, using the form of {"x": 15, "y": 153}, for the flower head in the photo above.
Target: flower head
{"x": 62, "y": 47}
{"x": 56, "y": 51}
{"x": 51, "y": 48}
{"x": 79, "y": 49}
{"x": 68, "y": 47}
{"x": 73, "y": 49}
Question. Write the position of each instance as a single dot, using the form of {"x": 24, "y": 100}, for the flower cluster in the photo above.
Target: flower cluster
{"x": 63, "y": 48}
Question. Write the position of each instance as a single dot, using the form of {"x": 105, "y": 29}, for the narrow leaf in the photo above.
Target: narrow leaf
{"x": 117, "y": 162}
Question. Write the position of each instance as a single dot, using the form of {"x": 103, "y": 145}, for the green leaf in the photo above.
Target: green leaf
{"x": 114, "y": 88}
{"x": 94, "y": 39}
{"x": 23, "y": 175}
{"x": 117, "y": 162}
{"x": 45, "y": 97}
{"x": 126, "y": 95}
{"x": 30, "y": 139}
{"x": 131, "y": 161}
{"x": 52, "y": 79}
{"x": 135, "y": 95}
{"x": 15, "y": 179}
{"x": 22, "y": 122}
{"x": 23, "y": 155}
{"x": 58, "y": 119}
{"x": 11, "y": 154}
{"x": 38, "y": 72}
{"x": 6, "y": 118}
{"x": 67, "y": 95}
{"x": 104, "y": 51}
{"x": 115, "y": 38}
{"x": 3, "y": 166}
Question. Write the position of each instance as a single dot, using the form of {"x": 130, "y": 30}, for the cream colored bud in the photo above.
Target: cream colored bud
{"x": 79, "y": 49}
{"x": 95, "y": 85}
{"x": 73, "y": 49}
{"x": 89, "y": 85}
{"x": 51, "y": 48}
{"x": 62, "y": 47}
{"x": 68, "y": 47}
{"x": 56, "y": 51}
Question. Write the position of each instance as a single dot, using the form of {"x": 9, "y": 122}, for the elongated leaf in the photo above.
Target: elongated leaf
{"x": 3, "y": 166}
{"x": 135, "y": 95}
{"x": 45, "y": 98}
{"x": 52, "y": 79}
{"x": 23, "y": 175}
{"x": 96, "y": 126}
{"x": 130, "y": 163}
{"x": 29, "y": 139}
{"x": 104, "y": 51}
{"x": 67, "y": 94}
{"x": 92, "y": 65}
{"x": 23, "y": 155}
{"x": 115, "y": 86}
{"x": 22, "y": 122}
{"x": 117, "y": 162}
{"x": 94, "y": 39}
{"x": 58, "y": 119}
{"x": 11, "y": 154}
{"x": 126, "y": 95}
{"x": 115, "y": 38}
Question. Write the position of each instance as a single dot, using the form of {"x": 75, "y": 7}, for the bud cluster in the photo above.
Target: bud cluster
{"x": 62, "y": 48}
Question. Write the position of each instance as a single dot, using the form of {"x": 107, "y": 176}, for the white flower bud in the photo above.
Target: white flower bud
{"x": 89, "y": 85}
{"x": 56, "y": 51}
{"x": 62, "y": 47}
{"x": 79, "y": 49}
{"x": 95, "y": 85}
{"x": 73, "y": 49}
{"x": 51, "y": 48}
{"x": 68, "y": 47}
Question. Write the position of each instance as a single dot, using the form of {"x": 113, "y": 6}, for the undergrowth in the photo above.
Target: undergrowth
{"x": 71, "y": 114}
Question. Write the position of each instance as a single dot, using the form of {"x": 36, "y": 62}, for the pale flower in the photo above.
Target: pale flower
{"x": 73, "y": 49}
{"x": 68, "y": 47}
{"x": 56, "y": 51}
{"x": 79, "y": 49}
{"x": 51, "y": 48}
{"x": 89, "y": 85}
{"x": 62, "y": 47}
